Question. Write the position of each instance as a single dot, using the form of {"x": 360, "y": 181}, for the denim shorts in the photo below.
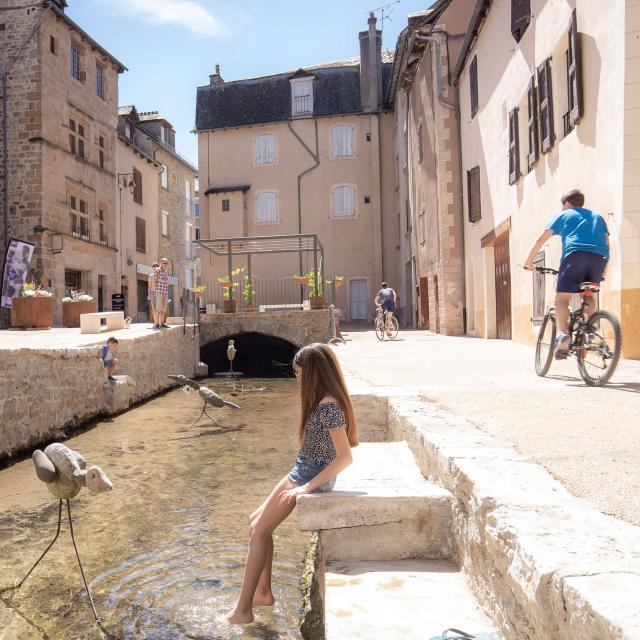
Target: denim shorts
{"x": 388, "y": 305}
{"x": 305, "y": 469}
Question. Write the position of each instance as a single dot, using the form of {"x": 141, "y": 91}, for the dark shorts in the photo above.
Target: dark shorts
{"x": 305, "y": 469}
{"x": 579, "y": 267}
{"x": 388, "y": 305}
{"x": 107, "y": 363}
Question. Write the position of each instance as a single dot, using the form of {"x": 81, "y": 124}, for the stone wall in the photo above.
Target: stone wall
{"x": 43, "y": 391}
{"x": 297, "y": 327}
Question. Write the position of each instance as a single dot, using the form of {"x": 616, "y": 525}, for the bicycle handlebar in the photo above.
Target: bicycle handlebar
{"x": 546, "y": 270}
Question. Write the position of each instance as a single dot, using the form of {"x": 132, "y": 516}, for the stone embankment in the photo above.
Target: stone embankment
{"x": 46, "y": 390}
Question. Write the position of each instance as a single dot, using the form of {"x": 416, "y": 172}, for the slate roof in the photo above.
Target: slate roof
{"x": 268, "y": 99}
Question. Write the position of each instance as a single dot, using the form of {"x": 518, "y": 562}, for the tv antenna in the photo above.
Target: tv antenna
{"x": 382, "y": 9}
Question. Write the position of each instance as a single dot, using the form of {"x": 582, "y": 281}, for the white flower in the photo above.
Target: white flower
{"x": 28, "y": 293}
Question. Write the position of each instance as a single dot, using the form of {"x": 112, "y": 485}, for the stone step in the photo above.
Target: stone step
{"x": 380, "y": 509}
{"x": 400, "y": 599}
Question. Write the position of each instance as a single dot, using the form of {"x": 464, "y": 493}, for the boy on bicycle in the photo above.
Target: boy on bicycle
{"x": 386, "y": 298}
{"x": 585, "y": 253}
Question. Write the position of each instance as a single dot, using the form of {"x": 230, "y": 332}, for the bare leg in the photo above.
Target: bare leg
{"x": 591, "y": 305}
{"x": 562, "y": 311}
{"x": 268, "y": 517}
{"x": 263, "y": 596}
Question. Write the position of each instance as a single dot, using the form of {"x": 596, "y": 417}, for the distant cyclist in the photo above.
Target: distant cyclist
{"x": 585, "y": 253}
{"x": 386, "y": 298}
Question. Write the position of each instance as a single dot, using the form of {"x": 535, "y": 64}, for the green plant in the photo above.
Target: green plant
{"x": 199, "y": 288}
{"x": 227, "y": 291}
{"x": 248, "y": 291}
{"x": 316, "y": 285}
{"x": 228, "y": 288}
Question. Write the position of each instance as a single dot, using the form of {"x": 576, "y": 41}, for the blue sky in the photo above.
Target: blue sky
{"x": 171, "y": 46}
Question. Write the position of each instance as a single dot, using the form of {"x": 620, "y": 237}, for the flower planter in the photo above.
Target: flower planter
{"x": 250, "y": 307}
{"x": 32, "y": 313}
{"x": 229, "y": 306}
{"x": 225, "y": 283}
{"x": 71, "y": 312}
{"x": 316, "y": 302}
{"x": 301, "y": 280}
{"x": 338, "y": 282}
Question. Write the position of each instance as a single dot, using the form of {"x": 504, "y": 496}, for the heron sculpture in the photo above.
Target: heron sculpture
{"x": 65, "y": 474}
{"x": 231, "y": 354}
{"x": 208, "y": 395}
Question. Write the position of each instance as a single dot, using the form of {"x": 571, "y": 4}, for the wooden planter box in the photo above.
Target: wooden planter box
{"x": 32, "y": 313}
{"x": 250, "y": 307}
{"x": 71, "y": 312}
{"x": 316, "y": 302}
{"x": 229, "y": 306}
{"x": 301, "y": 280}
{"x": 225, "y": 284}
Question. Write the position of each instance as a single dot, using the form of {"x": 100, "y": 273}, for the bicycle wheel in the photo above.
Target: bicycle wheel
{"x": 544, "y": 344}
{"x": 379, "y": 325}
{"x": 600, "y": 351}
{"x": 393, "y": 333}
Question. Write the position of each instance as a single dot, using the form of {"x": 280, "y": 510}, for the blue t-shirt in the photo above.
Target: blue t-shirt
{"x": 581, "y": 230}
{"x": 385, "y": 295}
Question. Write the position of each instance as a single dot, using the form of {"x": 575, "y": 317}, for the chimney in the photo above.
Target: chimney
{"x": 216, "y": 78}
{"x": 371, "y": 67}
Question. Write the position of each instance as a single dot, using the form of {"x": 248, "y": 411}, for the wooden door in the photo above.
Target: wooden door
{"x": 436, "y": 296}
{"x": 424, "y": 303}
{"x": 503, "y": 287}
{"x": 358, "y": 299}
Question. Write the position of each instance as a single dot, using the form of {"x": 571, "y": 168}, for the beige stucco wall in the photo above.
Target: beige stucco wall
{"x": 353, "y": 246}
{"x": 591, "y": 157}
{"x": 130, "y": 258}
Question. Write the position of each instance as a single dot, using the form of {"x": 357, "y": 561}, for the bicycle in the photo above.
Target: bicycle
{"x": 381, "y": 324}
{"x": 596, "y": 343}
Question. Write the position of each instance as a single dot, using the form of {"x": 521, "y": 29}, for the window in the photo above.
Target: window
{"x": 538, "y": 290}
{"x": 137, "y": 186}
{"x": 520, "y": 17}
{"x": 187, "y": 197}
{"x": 473, "y": 194}
{"x": 545, "y": 106}
{"x": 423, "y": 228}
{"x": 76, "y": 138}
{"x": 52, "y": 45}
{"x": 187, "y": 239}
{"x": 266, "y": 149}
{"x": 534, "y": 148}
{"x": 473, "y": 85}
{"x": 420, "y": 144}
{"x": 130, "y": 131}
{"x": 574, "y": 76}
{"x": 101, "y": 228}
{"x": 79, "y": 218}
{"x": 407, "y": 217}
{"x": 75, "y": 63}
{"x": 165, "y": 223}
{"x": 225, "y": 204}
{"x": 101, "y": 151}
{"x": 302, "y": 96}
{"x": 343, "y": 201}
{"x": 164, "y": 177}
{"x": 100, "y": 81}
{"x": 514, "y": 147}
{"x": 267, "y": 206}
{"x": 164, "y": 134}
{"x": 141, "y": 233}
{"x": 342, "y": 141}
{"x": 197, "y": 234}
{"x": 196, "y": 209}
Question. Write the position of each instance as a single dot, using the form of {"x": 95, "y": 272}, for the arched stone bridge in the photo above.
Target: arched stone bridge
{"x": 297, "y": 327}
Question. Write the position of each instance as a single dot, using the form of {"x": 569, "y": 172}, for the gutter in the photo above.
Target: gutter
{"x": 5, "y": 132}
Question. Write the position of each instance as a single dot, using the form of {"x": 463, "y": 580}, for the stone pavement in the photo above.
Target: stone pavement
{"x": 588, "y": 438}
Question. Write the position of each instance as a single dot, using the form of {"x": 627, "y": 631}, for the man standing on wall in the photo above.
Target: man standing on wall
{"x": 162, "y": 293}
{"x": 585, "y": 253}
{"x": 151, "y": 294}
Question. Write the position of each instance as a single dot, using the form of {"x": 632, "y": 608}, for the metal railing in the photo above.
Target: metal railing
{"x": 302, "y": 104}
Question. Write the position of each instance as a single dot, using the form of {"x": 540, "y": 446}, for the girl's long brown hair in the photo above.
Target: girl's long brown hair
{"x": 322, "y": 377}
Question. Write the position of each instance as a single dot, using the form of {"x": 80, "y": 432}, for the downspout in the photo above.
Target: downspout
{"x": 5, "y": 133}
{"x": 409, "y": 198}
{"x": 316, "y": 159}
{"x": 456, "y": 109}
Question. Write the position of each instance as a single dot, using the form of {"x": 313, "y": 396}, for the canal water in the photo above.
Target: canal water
{"x": 164, "y": 551}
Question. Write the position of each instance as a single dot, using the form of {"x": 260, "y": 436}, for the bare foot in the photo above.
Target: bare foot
{"x": 235, "y": 617}
{"x": 263, "y": 599}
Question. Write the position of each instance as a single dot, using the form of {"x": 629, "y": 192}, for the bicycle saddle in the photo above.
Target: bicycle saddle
{"x": 590, "y": 286}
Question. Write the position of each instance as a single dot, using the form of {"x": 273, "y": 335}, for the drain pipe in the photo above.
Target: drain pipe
{"x": 5, "y": 133}
{"x": 316, "y": 159}
{"x": 456, "y": 109}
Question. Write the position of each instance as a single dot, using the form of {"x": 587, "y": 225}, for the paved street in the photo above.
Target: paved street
{"x": 588, "y": 438}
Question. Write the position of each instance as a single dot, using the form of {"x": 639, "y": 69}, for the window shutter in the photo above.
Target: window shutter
{"x": 141, "y": 241}
{"x": 574, "y": 72}
{"x": 342, "y": 141}
{"x": 343, "y": 201}
{"x": 514, "y": 147}
{"x": 473, "y": 85}
{"x": 520, "y": 17}
{"x": 267, "y": 206}
{"x": 137, "y": 189}
{"x": 473, "y": 194}
{"x": 266, "y": 149}
{"x": 534, "y": 147}
{"x": 545, "y": 106}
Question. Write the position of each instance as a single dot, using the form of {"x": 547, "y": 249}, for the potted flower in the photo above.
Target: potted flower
{"x": 198, "y": 291}
{"x": 316, "y": 290}
{"x": 248, "y": 294}
{"x": 227, "y": 280}
{"x": 336, "y": 279}
{"x": 33, "y": 308}
{"x": 74, "y": 305}
{"x": 301, "y": 279}
{"x": 227, "y": 283}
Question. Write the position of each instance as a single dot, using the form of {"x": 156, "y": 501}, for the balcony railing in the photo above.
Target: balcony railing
{"x": 81, "y": 235}
{"x": 302, "y": 104}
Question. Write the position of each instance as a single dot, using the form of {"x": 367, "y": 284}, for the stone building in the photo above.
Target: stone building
{"x": 549, "y": 102}
{"x": 307, "y": 151}
{"x": 428, "y": 202}
{"x": 57, "y": 170}
{"x": 176, "y": 203}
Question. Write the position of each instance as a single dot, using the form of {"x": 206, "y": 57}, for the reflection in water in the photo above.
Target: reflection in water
{"x": 165, "y": 549}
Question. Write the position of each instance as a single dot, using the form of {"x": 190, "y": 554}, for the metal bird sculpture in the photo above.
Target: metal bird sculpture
{"x": 208, "y": 395}
{"x": 231, "y": 354}
{"x": 65, "y": 474}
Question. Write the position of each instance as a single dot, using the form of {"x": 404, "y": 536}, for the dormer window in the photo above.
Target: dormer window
{"x": 302, "y": 96}
{"x": 164, "y": 134}
{"x": 130, "y": 131}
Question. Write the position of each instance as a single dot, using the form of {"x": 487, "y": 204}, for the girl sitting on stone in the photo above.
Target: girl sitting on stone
{"x": 327, "y": 432}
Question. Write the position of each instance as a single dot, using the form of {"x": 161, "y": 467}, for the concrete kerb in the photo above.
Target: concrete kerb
{"x": 550, "y": 566}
